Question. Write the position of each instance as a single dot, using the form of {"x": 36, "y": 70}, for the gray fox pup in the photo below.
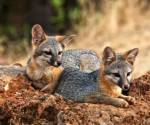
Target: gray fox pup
{"x": 48, "y": 59}
{"x": 114, "y": 76}
{"x": 47, "y": 51}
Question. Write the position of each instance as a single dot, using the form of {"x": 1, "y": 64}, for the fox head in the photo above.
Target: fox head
{"x": 47, "y": 50}
{"x": 119, "y": 67}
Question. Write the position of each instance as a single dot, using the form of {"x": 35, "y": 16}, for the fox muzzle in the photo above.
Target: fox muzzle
{"x": 125, "y": 87}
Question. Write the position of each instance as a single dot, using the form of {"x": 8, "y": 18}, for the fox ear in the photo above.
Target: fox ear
{"x": 108, "y": 56}
{"x": 38, "y": 35}
{"x": 65, "y": 40}
{"x": 131, "y": 55}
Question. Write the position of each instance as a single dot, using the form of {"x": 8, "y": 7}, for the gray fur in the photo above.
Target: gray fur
{"x": 76, "y": 58}
{"x": 75, "y": 84}
{"x": 11, "y": 70}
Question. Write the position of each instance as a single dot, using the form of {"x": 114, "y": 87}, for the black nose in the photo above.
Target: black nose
{"x": 126, "y": 87}
{"x": 59, "y": 63}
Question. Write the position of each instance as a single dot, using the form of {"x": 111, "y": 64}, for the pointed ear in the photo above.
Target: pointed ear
{"x": 38, "y": 35}
{"x": 108, "y": 56}
{"x": 131, "y": 55}
{"x": 65, "y": 40}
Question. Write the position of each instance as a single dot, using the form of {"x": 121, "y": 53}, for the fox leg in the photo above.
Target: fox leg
{"x": 128, "y": 98}
{"x": 50, "y": 88}
{"x": 52, "y": 80}
{"x": 37, "y": 84}
{"x": 98, "y": 98}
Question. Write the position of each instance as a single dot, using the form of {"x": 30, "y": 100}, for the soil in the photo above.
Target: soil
{"x": 23, "y": 105}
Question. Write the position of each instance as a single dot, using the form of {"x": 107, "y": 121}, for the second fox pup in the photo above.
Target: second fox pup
{"x": 114, "y": 76}
{"x": 47, "y": 51}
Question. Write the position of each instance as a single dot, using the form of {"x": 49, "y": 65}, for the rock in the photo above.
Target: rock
{"x": 147, "y": 121}
{"x": 22, "y": 104}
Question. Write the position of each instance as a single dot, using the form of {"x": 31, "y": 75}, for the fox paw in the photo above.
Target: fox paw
{"x": 124, "y": 104}
{"x": 121, "y": 103}
{"x": 130, "y": 99}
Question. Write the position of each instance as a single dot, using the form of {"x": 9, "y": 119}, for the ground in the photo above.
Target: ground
{"x": 21, "y": 104}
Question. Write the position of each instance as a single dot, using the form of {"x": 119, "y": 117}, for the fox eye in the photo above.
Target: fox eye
{"x": 116, "y": 74}
{"x": 60, "y": 52}
{"x": 128, "y": 74}
{"x": 48, "y": 52}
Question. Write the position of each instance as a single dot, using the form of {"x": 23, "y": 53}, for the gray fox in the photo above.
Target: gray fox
{"x": 47, "y": 51}
{"x": 48, "y": 59}
{"x": 101, "y": 86}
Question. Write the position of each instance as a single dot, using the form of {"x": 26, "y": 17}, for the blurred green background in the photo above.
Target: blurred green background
{"x": 120, "y": 24}
{"x": 18, "y": 16}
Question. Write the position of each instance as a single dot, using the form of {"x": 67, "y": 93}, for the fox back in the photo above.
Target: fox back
{"x": 81, "y": 59}
{"x": 75, "y": 84}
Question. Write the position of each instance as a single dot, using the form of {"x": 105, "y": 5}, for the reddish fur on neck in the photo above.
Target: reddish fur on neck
{"x": 109, "y": 88}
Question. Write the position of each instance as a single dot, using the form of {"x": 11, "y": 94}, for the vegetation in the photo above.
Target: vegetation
{"x": 115, "y": 23}
{"x": 56, "y": 16}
